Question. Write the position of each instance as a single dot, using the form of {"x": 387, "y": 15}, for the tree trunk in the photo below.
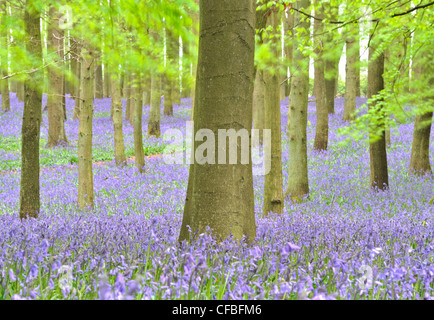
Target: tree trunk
{"x": 138, "y": 110}
{"x": 423, "y": 77}
{"x": 4, "y": 84}
{"x": 120, "y": 157}
{"x": 220, "y": 196}
{"x": 78, "y": 83}
{"x": 30, "y": 134}
{"x": 298, "y": 184}
{"x": 127, "y": 92}
{"x": 85, "y": 174}
{"x": 289, "y": 25}
{"x": 334, "y": 49}
{"x": 273, "y": 189}
{"x": 155, "y": 110}
{"x": 352, "y": 55}
{"x": 56, "y": 117}
{"x": 379, "y": 178}
{"x": 168, "y": 91}
{"x": 107, "y": 83}
{"x": 98, "y": 81}
{"x": 322, "y": 122}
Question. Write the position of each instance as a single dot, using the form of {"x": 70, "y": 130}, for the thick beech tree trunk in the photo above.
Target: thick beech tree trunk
{"x": 298, "y": 184}
{"x": 220, "y": 196}
{"x": 85, "y": 173}
{"x": 377, "y": 150}
{"x": 30, "y": 133}
{"x": 56, "y": 116}
{"x": 322, "y": 117}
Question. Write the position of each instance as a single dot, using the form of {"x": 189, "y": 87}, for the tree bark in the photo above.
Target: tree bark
{"x": 155, "y": 110}
{"x": 168, "y": 92}
{"x": 423, "y": 77}
{"x": 30, "y": 133}
{"x": 220, "y": 196}
{"x": 273, "y": 189}
{"x": 138, "y": 110}
{"x": 334, "y": 48}
{"x": 352, "y": 55}
{"x": 379, "y": 178}
{"x": 289, "y": 25}
{"x": 298, "y": 184}
{"x": 322, "y": 122}
{"x": 98, "y": 81}
{"x": 56, "y": 117}
{"x": 85, "y": 174}
{"x": 120, "y": 157}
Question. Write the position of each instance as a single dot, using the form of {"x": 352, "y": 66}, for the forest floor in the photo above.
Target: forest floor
{"x": 344, "y": 242}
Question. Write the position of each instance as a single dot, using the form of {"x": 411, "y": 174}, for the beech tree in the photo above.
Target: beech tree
{"x": 379, "y": 178}
{"x": 273, "y": 189}
{"x": 56, "y": 119}
{"x": 220, "y": 196}
{"x": 298, "y": 184}
{"x": 423, "y": 77}
{"x": 30, "y": 133}
{"x": 322, "y": 122}
{"x": 85, "y": 173}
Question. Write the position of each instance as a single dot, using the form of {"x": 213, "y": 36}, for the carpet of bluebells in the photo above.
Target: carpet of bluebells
{"x": 344, "y": 242}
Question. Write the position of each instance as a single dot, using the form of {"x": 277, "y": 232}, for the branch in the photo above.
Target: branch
{"x": 412, "y": 9}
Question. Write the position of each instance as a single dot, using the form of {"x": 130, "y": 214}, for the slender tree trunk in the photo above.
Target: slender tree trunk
{"x": 334, "y": 49}
{"x": 155, "y": 110}
{"x": 147, "y": 91}
{"x": 273, "y": 189}
{"x": 289, "y": 25}
{"x": 377, "y": 150}
{"x": 85, "y": 174}
{"x": 56, "y": 117}
{"x": 20, "y": 91}
{"x": 423, "y": 77}
{"x": 138, "y": 136}
{"x": 357, "y": 66}
{"x": 98, "y": 81}
{"x": 298, "y": 184}
{"x": 120, "y": 157}
{"x": 107, "y": 83}
{"x": 168, "y": 91}
{"x": 220, "y": 196}
{"x": 127, "y": 92}
{"x": 322, "y": 122}
{"x": 4, "y": 42}
{"x": 78, "y": 83}
{"x": 30, "y": 133}
{"x": 352, "y": 55}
